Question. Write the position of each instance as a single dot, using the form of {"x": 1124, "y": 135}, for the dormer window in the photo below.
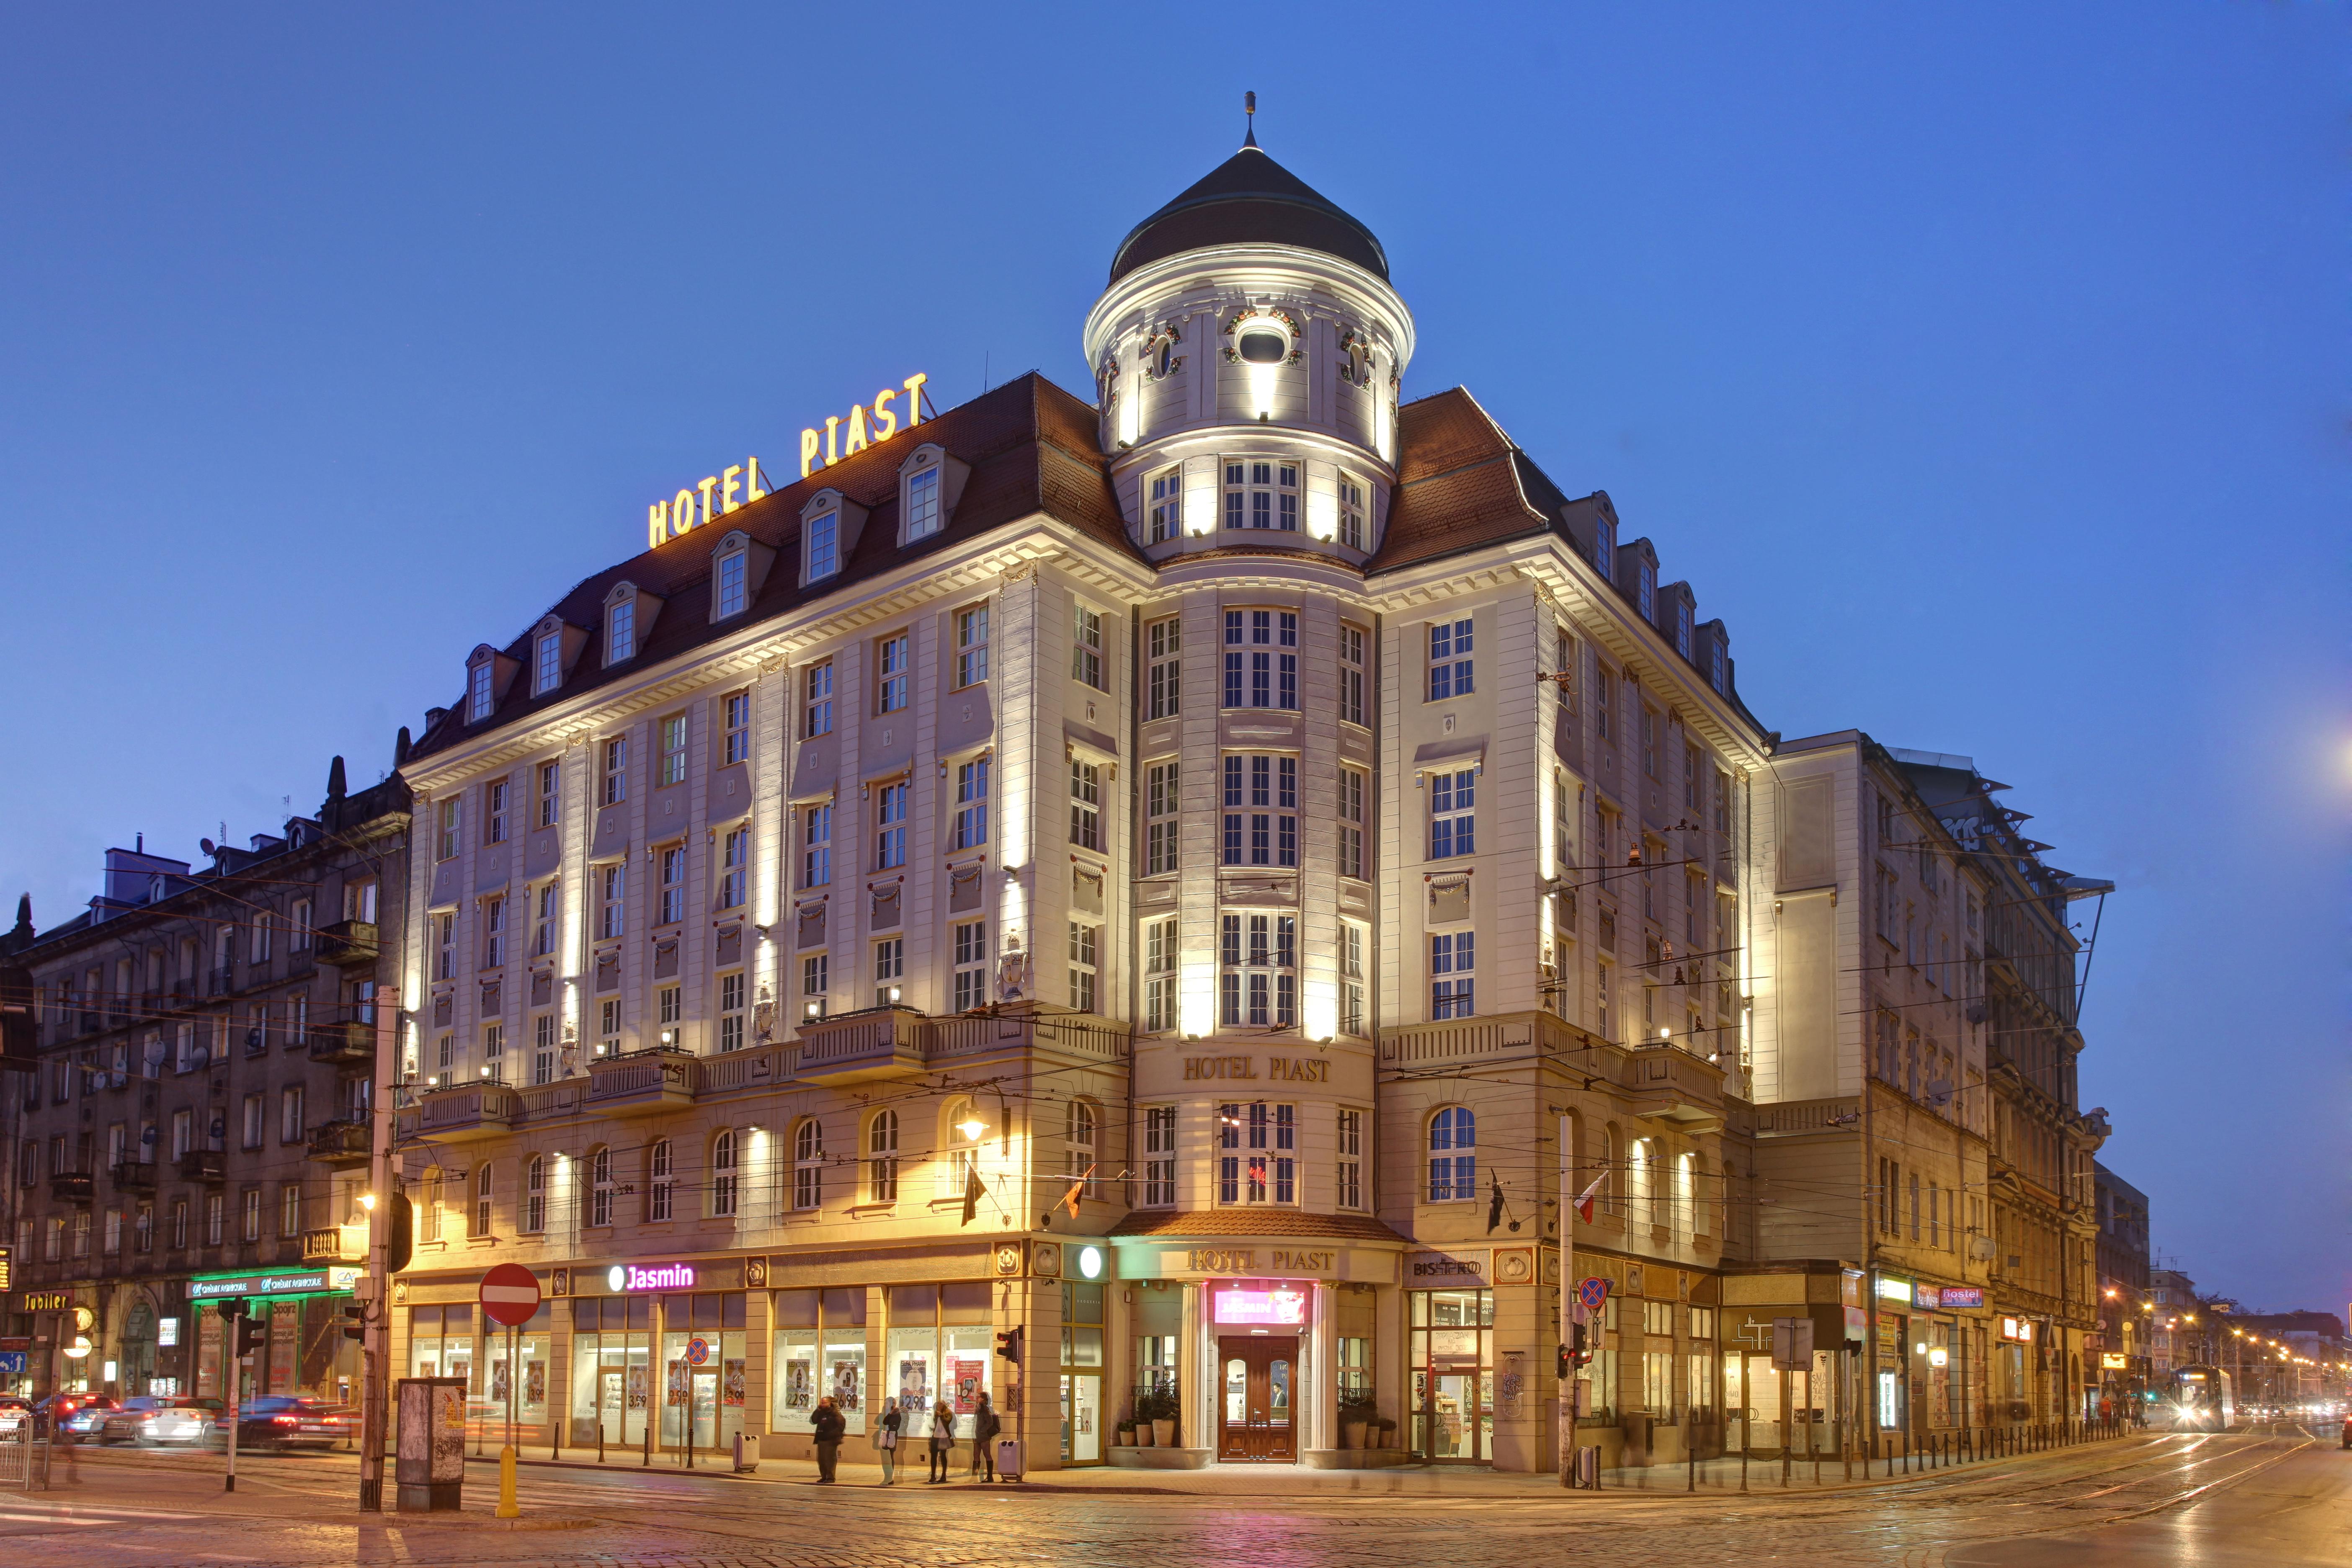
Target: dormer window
{"x": 621, "y": 632}
{"x": 478, "y": 699}
{"x": 1715, "y": 664}
{"x": 824, "y": 545}
{"x": 922, "y": 503}
{"x": 1646, "y": 593}
{"x": 547, "y": 664}
{"x": 1683, "y": 627}
{"x": 731, "y": 595}
{"x": 1604, "y": 548}
{"x": 739, "y": 565}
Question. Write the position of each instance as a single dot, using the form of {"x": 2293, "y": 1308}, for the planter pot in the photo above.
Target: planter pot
{"x": 1143, "y": 1435}
{"x": 1163, "y": 1432}
{"x": 1124, "y": 1437}
{"x": 1351, "y": 1434}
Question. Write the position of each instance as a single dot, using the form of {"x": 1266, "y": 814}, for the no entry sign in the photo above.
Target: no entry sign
{"x": 509, "y": 1295}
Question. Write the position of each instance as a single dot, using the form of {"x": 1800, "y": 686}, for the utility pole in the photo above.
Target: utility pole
{"x": 375, "y": 1284}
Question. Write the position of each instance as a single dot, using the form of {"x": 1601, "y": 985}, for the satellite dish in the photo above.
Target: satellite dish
{"x": 207, "y": 846}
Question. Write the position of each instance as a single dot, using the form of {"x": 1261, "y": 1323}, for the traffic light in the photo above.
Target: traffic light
{"x": 354, "y": 1320}
{"x": 1008, "y": 1345}
{"x": 251, "y": 1329}
{"x": 1578, "y": 1352}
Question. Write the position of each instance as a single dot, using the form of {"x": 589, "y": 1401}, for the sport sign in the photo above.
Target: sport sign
{"x": 509, "y": 1295}
{"x": 1593, "y": 1293}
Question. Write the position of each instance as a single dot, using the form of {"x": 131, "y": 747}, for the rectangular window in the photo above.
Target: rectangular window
{"x": 971, "y": 804}
{"x": 971, "y": 965}
{"x": 543, "y": 1048}
{"x": 494, "y": 798}
{"x": 1252, "y": 662}
{"x": 922, "y": 503}
{"x": 298, "y": 937}
{"x": 1160, "y": 825}
{"x": 816, "y": 845}
{"x": 445, "y": 947}
{"x": 613, "y": 900}
{"x": 890, "y": 971}
{"x": 730, "y": 583}
{"x": 1452, "y": 819}
{"x": 890, "y": 674}
{"x": 1451, "y": 959}
{"x": 735, "y": 868}
{"x": 673, "y": 750}
{"x": 1352, "y": 1020}
{"x": 1087, "y": 649}
{"x": 1351, "y": 511}
{"x": 547, "y": 664}
{"x": 616, "y": 770}
{"x": 620, "y": 631}
{"x": 494, "y": 933}
{"x": 972, "y": 645}
{"x": 1261, "y": 495}
{"x": 1159, "y": 975}
{"x": 547, "y": 907}
{"x": 1258, "y": 959}
{"x": 890, "y": 825}
{"x": 730, "y": 1011}
{"x": 494, "y": 1051}
{"x": 816, "y": 980}
{"x": 1085, "y": 805}
{"x": 551, "y": 793}
{"x": 1352, "y": 824}
{"x": 1167, "y": 505}
{"x": 449, "y": 820}
{"x": 1159, "y": 1156}
{"x": 816, "y": 706}
{"x": 1349, "y": 1174}
{"x": 1449, "y": 660}
{"x": 478, "y": 700}
{"x": 672, "y": 862}
{"x": 823, "y": 552}
{"x": 735, "y": 713}
{"x": 248, "y": 1215}
{"x": 1352, "y": 674}
{"x": 253, "y": 1122}
{"x": 1261, "y": 837}
{"x": 1605, "y": 699}
{"x": 1257, "y": 1153}
{"x": 291, "y": 1127}
{"x": 1084, "y": 967}
{"x": 1649, "y": 740}
{"x": 1563, "y": 664}
{"x": 1162, "y": 641}
{"x": 608, "y": 1025}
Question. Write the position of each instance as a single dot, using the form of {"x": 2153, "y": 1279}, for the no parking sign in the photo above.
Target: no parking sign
{"x": 1592, "y": 1293}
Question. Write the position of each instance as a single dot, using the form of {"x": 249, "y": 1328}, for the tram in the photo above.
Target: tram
{"x": 2201, "y": 1399}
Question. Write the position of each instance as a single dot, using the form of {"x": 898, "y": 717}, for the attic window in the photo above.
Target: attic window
{"x": 620, "y": 631}
{"x": 479, "y": 701}
{"x": 547, "y": 664}
{"x": 1683, "y": 627}
{"x": 823, "y": 534}
{"x": 730, "y": 568}
{"x": 1715, "y": 663}
{"x": 1604, "y": 547}
{"x": 923, "y": 503}
{"x": 1648, "y": 586}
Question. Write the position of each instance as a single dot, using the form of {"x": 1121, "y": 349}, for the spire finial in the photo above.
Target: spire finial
{"x": 1249, "y": 110}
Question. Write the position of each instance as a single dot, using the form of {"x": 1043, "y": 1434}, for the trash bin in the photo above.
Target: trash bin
{"x": 1008, "y": 1459}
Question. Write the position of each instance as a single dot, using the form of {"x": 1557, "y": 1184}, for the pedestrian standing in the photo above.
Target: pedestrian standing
{"x": 984, "y": 1429}
{"x": 885, "y": 1442}
{"x": 942, "y": 1441}
{"x": 828, "y": 1425}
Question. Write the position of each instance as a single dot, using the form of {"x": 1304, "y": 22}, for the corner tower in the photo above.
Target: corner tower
{"x": 1250, "y": 318}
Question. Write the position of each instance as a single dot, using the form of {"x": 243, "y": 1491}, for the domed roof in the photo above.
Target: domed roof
{"x": 1250, "y": 199}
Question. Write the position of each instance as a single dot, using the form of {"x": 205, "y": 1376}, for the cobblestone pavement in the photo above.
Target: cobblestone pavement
{"x": 2272, "y": 1499}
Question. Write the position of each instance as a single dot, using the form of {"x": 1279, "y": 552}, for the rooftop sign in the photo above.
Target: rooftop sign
{"x": 864, "y": 426}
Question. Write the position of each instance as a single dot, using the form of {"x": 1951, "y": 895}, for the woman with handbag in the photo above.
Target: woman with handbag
{"x": 942, "y": 1442}
{"x": 886, "y": 1443}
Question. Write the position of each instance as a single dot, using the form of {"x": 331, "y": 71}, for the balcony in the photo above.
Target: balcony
{"x": 207, "y": 1165}
{"x": 343, "y": 1045}
{"x": 72, "y": 1187}
{"x": 220, "y": 981}
{"x": 1675, "y": 1088}
{"x": 335, "y": 1244}
{"x": 640, "y": 1084}
{"x": 881, "y": 1042}
{"x": 341, "y": 1145}
{"x": 464, "y": 1113}
{"x": 348, "y": 944}
{"x": 134, "y": 1176}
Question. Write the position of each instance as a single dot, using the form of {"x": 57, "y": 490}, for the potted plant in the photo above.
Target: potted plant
{"x": 1357, "y": 1412}
{"x": 1123, "y": 1435}
{"x": 1383, "y": 1432}
{"x": 1158, "y": 1408}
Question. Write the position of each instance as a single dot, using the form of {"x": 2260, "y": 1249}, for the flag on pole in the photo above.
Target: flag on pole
{"x": 1078, "y": 1185}
{"x": 1584, "y": 1201}
{"x": 973, "y": 1189}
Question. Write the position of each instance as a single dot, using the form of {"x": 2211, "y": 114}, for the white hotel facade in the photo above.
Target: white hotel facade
{"x": 1206, "y": 878}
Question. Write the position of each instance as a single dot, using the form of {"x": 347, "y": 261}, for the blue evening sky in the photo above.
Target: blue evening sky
{"x": 1982, "y": 365}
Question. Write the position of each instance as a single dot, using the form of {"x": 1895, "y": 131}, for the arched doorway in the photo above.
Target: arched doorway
{"x": 137, "y": 1355}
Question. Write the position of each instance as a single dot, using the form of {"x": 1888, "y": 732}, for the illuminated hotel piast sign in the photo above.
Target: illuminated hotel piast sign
{"x": 864, "y": 426}
{"x": 715, "y": 497}
{"x": 1243, "y": 1260}
{"x": 1278, "y": 1069}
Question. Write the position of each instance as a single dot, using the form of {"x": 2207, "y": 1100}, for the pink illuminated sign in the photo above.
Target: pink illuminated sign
{"x": 661, "y": 1276}
{"x": 1274, "y": 1307}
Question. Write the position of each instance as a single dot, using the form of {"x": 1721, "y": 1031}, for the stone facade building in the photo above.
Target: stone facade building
{"x": 196, "y": 1126}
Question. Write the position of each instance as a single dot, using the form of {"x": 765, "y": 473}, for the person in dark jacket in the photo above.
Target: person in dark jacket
{"x": 885, "y": 1442}
{"x": 984, "y": 1429}
{"x": 942, "y": 1441}
{"x": 828, "y": 1427}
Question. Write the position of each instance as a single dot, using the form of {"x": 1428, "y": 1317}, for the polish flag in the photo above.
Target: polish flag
{"x": 1584, "y": 1202}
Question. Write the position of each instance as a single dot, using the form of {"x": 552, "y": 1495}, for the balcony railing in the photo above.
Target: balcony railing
{"x": 207, "y": 1165}
{"x": 72, "y": 1187}
{"x": 340, "y": 1143}
{"x": 1676, "y": 1087}
{"x": 349, "y": 1044}
{"x": 464, "y": 1112}
{"x": 1793, "y": 1118}
{"x": 335, "y": 1244}
{"x": 349, "y": 944}
{"x": 636, "y": 1085}
{"x": 134, "y": 1176}
{"x": 882, "y": 1042}
{"x": 220, "y": 981}
{"x": 898, "y": 1042}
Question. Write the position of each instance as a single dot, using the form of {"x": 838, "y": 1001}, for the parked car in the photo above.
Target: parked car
{"x": 279, "y": 1423}
{"x": 151, "y": 1420}
{"x": 76, "y": 1415}
{"x": 14, "y": 1408}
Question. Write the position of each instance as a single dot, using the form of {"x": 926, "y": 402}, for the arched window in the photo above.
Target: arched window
{"x": 482, "y": 1200}
{"x": 534, "y": 1195}
{"x": 1453, "y": 1154}
{"x": 808, "y": 1165}
{"x": 962, "y": 1150}
{"x": 600, "y": 1186}
{"x": 882, "y": 1158}
{"x": 722, "y": 1174}
{"x": 1078, "y": 1140}
{"x": 658, "y": 1180}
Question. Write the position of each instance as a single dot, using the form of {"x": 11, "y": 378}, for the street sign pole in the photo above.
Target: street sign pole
{"x": 375, "y": 1335}
{"x": 510, "y": 1298}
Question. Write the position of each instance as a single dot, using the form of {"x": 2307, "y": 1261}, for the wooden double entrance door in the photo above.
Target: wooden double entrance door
{"x": 1255, "y": 1412}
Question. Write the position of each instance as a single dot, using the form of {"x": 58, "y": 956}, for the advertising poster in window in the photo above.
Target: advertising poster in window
{"x": 680, "y": 1376}
{"x": 637, "y": 1390}
{"x": 970, "y": 1377}
{"x": 800, "y": 1392}
{"x": 915, "y": 1384}
{"x": 534, "y": 1382}
{"x": 846, "y": 1376}
{"x": 730, "y": 1384}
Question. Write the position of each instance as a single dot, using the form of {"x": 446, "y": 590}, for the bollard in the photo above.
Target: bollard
{"x": 649, "y": 1439}
{"x": 507, "y": 1506}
